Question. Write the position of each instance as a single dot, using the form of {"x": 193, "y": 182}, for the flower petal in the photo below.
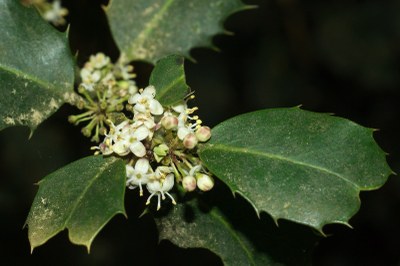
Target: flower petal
{"x": 149, "y": 91}
{"x": 156, "y": 108}
{"x": 142, "y": 166}
{"x": 138, "y": 149}
{"x": 134, "y": 99}
{"x": 141, "y": 133}
{"x": 182, "y": 132}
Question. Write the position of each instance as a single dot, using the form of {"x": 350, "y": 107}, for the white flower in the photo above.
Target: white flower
{"x": 144, "y": 120}
{"x": 144, "y": 102}
{"x": 139, "y": 175}
{"x": 56, "y": 14}
{"x": 130, "y": 140}
{"x": 90, "y": 77}
{"x": 161, "y": 188}
{"x": 185, "y": 128}
{"x": 99, "y": 60}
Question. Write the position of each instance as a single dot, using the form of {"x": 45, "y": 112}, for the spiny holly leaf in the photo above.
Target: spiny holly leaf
{"x": 151, "y": 29}
{"x": 168, "y": 77}
{"x": 36, "y": 67}
{"x": 237, "y": 241}
{"x": 82, "y": 196}
{"x": 297, "y": 165}
{"x": 208, "y": 230}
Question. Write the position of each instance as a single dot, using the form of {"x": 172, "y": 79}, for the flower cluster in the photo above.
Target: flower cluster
{"x": 159, "y": 143}
{"x": 105, "y": 88}
{"x": 52, "y": 11}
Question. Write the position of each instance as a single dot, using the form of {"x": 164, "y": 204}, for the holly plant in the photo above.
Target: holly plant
{"x": 292, "y": 164}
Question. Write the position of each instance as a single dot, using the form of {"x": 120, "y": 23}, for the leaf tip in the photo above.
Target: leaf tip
{"x": 88, "y": 247}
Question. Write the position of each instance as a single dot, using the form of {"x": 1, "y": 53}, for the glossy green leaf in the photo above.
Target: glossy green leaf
{"x": 235, "y": 239}
{"x": 36, "y": 66}
{"x": 151, "y": 29}
{"x": 297, "y": 165}
{"x": 82, "y": 196}
{"x": 168, "y": 77}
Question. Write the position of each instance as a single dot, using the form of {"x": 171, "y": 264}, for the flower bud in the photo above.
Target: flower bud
{"x": 203, "y": 133}
{"x": 123, "y": 84}
{"x": 72, "y": 119}
{"x": 189, "y": 183}
{"x": 169, "y": 122}
{"x": 190, "y": 141}
{"x": 204, "y": 182}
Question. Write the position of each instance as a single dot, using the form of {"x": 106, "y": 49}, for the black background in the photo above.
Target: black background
{"x": 337, "y": 56}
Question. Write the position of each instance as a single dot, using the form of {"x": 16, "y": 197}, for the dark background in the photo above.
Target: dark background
{"x": 337, "y": 56}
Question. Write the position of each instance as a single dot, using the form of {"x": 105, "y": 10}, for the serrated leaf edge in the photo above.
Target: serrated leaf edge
{"x": 87, "y": 245}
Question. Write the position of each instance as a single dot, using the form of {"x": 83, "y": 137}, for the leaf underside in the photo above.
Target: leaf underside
{"x": 168, "y": 77}
{"x": 297, "y": 165}
{"x": 36, "y": 67}
{"x": 234, "y": 235}
{"x": 82, "y": 196}
{"x": 151, "y": 29}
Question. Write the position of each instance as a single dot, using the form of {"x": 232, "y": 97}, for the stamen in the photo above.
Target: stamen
{"x": 149, "y": 198}
{"x": 172, "y": 198}
{"x": 141, "y": 190}
{"x": 159, "y": 202}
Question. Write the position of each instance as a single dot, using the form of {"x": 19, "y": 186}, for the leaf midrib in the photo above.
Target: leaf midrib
{"x": 277, "y": 157}
{"x": 150, "y": 25}
{"x": 171, "y": 85}
{"x": 78, "y": 201}
{"x": 234, "y": 235}
{"x": 46, "y": 85}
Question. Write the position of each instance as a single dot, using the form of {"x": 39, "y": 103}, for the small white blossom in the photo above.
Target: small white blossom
{"x": 139, "y": 175}
{"x": 99, "y": 60}
{"x": 56, "y": 13}
{"x": 144, "y": 102}
{"x": 90, "y": 77}
{"x": 161, "y": 188}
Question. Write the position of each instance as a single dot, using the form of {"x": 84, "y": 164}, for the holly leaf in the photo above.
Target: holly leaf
{"x": 149, "y": 30}
{"x": 297, "y": 165}
{"x": 82, "y": 197}
{"x": 36, "y": 67}
{"x": 168, "y": 77}
{"x": 235, "y": 240}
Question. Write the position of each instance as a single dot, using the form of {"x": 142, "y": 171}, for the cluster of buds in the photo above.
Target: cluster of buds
{"x": 159, "y": 143}
{"x": 53, "y": 12}
{"x": 105, "y": 88}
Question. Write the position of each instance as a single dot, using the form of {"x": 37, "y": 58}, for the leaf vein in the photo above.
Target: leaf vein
{"x": 277, "y": 157}
{"x": 44, "y": 84}
{"x": 77, "y": 203}
{"x": 171, "y": 85}
{"x": 149, "y": 26}
{"x": 234, "y": 234}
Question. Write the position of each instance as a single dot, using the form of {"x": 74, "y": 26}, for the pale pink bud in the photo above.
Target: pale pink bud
{"x": 189, "y": 183}
{"x": 190, "y": 141}
{"x": 204, "y": 182}
{"x": 203, "y": 133}
{"x": 169, "y": 122}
